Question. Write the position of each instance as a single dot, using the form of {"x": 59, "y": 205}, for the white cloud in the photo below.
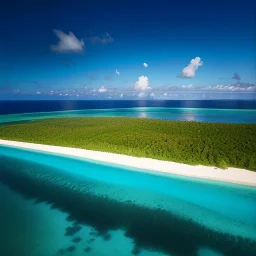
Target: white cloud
{"x": 165, "y": 94}
{"x": 145, "y": 64}
{"x": 67, "y": 43}
{"x": 121, "y": 95}
{"x": 232, "y": 87}
{"x": 142, "y": 84}
{"x": 142, "y": 94}
{"x": 190, "y": 70}
{"x": 38, "y": 93}
{"x": 102, "y": 40}
{"x": 117, "y": 72}
{"x": 102, "y": 89}
{"x": 187, "y": 86}
{"x": 107, "y": 39}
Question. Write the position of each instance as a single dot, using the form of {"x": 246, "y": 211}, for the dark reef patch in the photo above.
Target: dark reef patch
{"x": 71, "y": 248}
{"x": 70, "y": 231}
{"x": 76, "y": 240}
{"x": 107, "y": 236}
{"x": 91, "y": 240}
{"x": 61, "y": 251}
{"x": 136, "y": 250}
{"x": 87, "y": 249}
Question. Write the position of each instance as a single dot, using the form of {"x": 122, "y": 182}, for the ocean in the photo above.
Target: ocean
{"x": 15, "y": 107}
{"x": 227, "y": 111}
{"x": 57, "y": 205}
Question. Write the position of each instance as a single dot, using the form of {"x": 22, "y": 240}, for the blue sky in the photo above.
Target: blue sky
{"x": 49, "y": 46}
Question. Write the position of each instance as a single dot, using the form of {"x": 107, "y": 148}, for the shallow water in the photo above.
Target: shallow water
{"x": 186, "y": 114}
{"x": 56, "y": 205}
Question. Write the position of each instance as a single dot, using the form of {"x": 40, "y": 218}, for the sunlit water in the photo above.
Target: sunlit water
{"x": 57, "y": 205}
{"x": 187, "y": 114}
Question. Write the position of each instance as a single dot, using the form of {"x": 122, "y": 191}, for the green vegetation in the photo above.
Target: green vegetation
{"x": 213, "y": 144}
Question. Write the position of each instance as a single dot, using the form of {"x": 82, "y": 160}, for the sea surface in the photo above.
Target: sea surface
{"x": 58, "y": 205}
{"x": 53, "y": 205}
{"x": 227, "y": 111}
{"x": 15, "y": 107}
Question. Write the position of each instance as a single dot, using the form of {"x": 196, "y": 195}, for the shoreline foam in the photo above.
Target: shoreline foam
{"x": 230, "y": 175}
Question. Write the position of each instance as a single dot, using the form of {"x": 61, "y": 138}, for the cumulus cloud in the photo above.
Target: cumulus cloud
{"x": 237, "y": 77}
{"x": 117, "y": 72}
{"x": 142, "y": 94}
{"x": 121, "y": 95}
{"x": 106, "y": 39}
{"x": 102, "y": 89}
{"x": 187, "y": 86}
{"x": 67, "y": 43}
{"x": 190, "y": 70}
{"x": 142, "y": 84}
{"x": 242, "y": 87}
{"x": 145, "y": 65}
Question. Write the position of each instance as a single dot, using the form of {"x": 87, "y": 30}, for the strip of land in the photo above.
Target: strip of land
{"x": 231, "y": 175}
{"x": 192, "y": 143}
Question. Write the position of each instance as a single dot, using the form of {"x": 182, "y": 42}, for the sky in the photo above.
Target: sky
{"x": 118, "y": 48}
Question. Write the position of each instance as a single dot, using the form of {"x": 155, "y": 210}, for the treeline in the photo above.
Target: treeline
{"x": 213, "y": 144}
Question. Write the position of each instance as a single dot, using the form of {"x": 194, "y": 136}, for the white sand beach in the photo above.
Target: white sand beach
{"x": 231, "y": 175}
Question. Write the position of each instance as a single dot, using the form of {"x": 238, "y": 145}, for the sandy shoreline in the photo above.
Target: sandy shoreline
{"x": 231, "y": 175}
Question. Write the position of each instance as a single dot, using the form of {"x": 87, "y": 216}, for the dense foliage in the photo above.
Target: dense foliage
{"x": 213, "y": 144}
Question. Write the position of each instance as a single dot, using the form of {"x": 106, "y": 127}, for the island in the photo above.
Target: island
{"x": 217, "y": 151}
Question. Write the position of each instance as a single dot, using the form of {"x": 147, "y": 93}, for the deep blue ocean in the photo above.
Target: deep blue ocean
{"x": 227, "y": 111}
{"x": 15, "y": 107}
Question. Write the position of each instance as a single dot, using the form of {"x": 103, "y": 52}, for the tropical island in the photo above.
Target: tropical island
{"x": 193, "y": 143}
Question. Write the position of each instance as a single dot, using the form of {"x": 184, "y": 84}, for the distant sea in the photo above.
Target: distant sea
{"x": 15, "y": 107}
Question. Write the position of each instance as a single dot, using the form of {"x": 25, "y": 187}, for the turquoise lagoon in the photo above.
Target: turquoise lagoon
{"x": 186, "y": 114}
{"x": 57, "y": 205}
